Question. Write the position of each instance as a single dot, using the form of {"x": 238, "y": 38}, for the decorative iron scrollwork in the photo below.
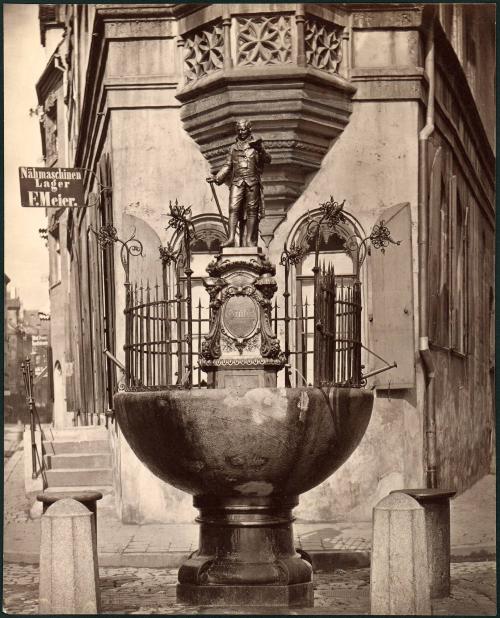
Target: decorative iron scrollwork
{"x": 336, "y": 218}
{"x": 107, "y": 235}
{"x": 180, "y": 220}
{"x": 168, "y": 254}
{"x": 380, "y": 237}
{"x": 293, "y": 255}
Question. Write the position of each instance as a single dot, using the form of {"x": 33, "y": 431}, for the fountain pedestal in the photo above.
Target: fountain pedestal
{"x": 245, "y": 455}
{"x": 246, "y": 555}
{"x": 241, "y": 349}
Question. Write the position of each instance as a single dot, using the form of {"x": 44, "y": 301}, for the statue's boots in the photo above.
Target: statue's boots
{"x": 252, "y": 229}
{"x": 233, "y": 222}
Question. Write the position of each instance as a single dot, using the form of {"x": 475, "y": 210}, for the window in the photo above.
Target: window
{"x": 446, "y": 18}
{"x": 331, "y": 252}
{"x": 55, "y": 256}
{"x": 470, "y": 60}
{"x": 458, "y": 253}
{"x": 50, "y": 129}
{"x": 448, "y": 246}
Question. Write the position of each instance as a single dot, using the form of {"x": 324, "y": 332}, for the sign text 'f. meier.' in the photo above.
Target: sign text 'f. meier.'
{"x": 51, "y": 187}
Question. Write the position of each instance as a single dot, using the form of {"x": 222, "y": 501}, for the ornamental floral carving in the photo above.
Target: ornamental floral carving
{"x": 323, "y": 45}
{"x": 264, "y": 40}
{"x": 204, "y": 52}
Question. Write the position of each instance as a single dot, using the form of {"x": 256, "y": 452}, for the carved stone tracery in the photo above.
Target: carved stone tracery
{"x": 204, "y": 52}
{"x": 264, "y": 40}
{"x": 323, "y": 45}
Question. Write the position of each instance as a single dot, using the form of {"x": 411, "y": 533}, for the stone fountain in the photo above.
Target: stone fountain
{"x": 244, "y": 448}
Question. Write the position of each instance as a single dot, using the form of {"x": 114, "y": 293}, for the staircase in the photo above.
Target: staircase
{"x": 79, "y": 459}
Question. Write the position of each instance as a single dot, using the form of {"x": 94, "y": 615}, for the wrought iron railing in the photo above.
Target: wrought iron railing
{"x": 320, "y": 337}
{"x": 37, "y": 455}
{"x": 162, "y": 343}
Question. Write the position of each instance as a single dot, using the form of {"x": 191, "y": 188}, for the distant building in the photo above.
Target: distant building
{"x": 390, "y": 107}
{"x": 5, "y": 334}
{"x": 18, "y": 344}
{"x": 27, "y": 335}
{"x": 37, "y": 326}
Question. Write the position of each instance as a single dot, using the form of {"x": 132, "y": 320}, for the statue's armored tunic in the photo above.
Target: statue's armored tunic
{"x": 244, "y": 165}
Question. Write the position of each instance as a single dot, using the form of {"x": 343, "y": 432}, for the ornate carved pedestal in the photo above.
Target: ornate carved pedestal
{"x": 241, "y": 349}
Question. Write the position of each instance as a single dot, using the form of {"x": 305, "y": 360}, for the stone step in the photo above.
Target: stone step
{"x": 78, "y": 477}
{"x": 78, "y": 460}
{"x": 76, "y": 434}
{"x": 60, "y": 447}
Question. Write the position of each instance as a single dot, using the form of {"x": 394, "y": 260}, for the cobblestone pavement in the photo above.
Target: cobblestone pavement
{"x": 130, "y": 590}
{"x": 16, "y": 506}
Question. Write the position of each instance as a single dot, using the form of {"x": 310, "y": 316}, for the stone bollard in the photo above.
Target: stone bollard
{"x": 69, "y": 576}
{"x": 399, "y": 577}
{"x": 87, "y": 498}
{"x": 436, "y": 505}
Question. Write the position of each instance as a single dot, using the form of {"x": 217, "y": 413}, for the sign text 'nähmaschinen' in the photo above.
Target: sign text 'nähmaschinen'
{"x": 51, "y": 187}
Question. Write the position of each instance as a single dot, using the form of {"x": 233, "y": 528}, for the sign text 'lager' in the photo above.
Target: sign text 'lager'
{"x": 51, "y": 187}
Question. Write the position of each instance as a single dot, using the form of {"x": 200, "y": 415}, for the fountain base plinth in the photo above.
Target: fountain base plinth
{"x": 294, "y": 595}
{"x": 246, "y": 555}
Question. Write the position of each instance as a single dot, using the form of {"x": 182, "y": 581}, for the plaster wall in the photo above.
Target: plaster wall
{"x": 159, "y": 164}
{"x": 58, "y": 302}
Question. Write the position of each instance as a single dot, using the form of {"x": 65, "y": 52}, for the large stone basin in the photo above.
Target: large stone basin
{"x": 227, "y": 442}
{"x": 245, "y": 455}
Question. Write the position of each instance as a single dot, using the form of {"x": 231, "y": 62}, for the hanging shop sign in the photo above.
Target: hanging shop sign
{"x": 51, "y": 187}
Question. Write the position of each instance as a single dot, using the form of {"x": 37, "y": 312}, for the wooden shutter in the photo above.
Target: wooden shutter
{"x": 108, "y": 279}
{"x": 390, "y": 322}
{"x": 434, "y": 254}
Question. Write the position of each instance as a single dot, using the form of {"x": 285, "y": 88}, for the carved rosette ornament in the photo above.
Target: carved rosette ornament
{"x": 241, "y": 341}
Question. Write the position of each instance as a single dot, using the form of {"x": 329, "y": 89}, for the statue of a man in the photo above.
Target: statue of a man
{"x": 244, "y": 165}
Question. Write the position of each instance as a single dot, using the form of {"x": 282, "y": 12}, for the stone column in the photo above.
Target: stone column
{"x": 226, "y": 25}
{"x": 399, "y": 579}
{"x": 180, "y": 60}
{"x": 69, "y": 576}
{"x": 299, "y": 21}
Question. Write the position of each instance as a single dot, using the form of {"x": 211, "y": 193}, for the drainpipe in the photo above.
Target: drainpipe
{"x": 76, "y": 76}
{"x": 423, "y": 247}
